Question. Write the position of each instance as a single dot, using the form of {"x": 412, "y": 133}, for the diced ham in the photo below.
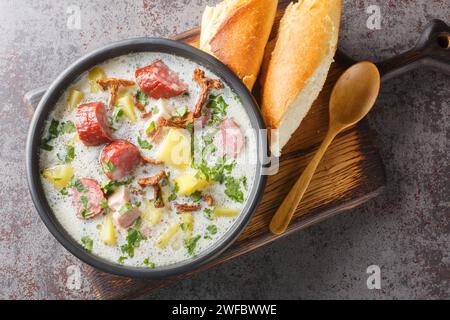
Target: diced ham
{"x": 120, "y": 197}
{"x": 233, "y": 140}
{"x": 158, "y": 81}
{"x": 125, "y": 220}
{"x": 87, "y": 198}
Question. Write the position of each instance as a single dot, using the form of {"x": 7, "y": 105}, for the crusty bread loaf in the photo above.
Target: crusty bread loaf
{"x": 236, "y": 32}
{"x": 296, "y": 67}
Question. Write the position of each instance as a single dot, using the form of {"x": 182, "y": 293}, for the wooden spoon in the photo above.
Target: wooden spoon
{"x": 352, "y": 97}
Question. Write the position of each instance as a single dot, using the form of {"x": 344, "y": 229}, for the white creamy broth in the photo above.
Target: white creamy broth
{"x": 207, "y": 227}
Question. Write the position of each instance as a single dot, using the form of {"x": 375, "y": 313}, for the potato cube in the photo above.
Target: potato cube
{"x": 95, "y": 74}
{"x": 167, "y": 235}
{"x": 107, "y": 232}
{"x": 74, "y": 98}
{"x": 225, "y": 212}
{"x": 175, "y": 150}
{"x": 59, "y": 175}
{"x": 152, "y": 214}
{"x": 188, "y": 183}
{"x": 127, "y": 105}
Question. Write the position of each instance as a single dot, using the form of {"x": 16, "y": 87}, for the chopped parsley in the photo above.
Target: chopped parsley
{"x": 88, "y": 243}
{"x": 173, "y": 196}
{"x": 219, "y": 108}
{"x": 110, "y": 186}
{"x": 233, "y": 189}
{"x": 77, "y": 184}
{"x": 184, "y": 226}
{"x": 210, "y": 231}
{"x": 54, "y": 130}
{"x": 108, "y": 167}
{"x": 196, "y": 196}
{"x": 68, "y": 155}
{"x": 86, "y": 206}
{"x": 144, "y": 144}
{"x": 142, "y": 98}
{"x": 150, "y": 128}
{"x": 118, "y": 113}
{"x": 191, "y": 244}
{"x": 149, "y": 264}
{"x": 104, "y": 205}
{"x": 122, "y": 259}
{"x": 134, "y": 238}
{"x": 155, "y": 110}
{"x": 208, "y": 213}
{"x": 216, "y": 173}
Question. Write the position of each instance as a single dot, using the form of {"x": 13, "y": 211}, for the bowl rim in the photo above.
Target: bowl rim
{"x": 63, "y": 81}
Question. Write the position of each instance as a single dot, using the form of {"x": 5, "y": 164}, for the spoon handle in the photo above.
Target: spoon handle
{"x": 286, "y": 210}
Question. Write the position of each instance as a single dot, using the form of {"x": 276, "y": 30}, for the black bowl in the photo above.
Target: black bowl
{"x": 69, "y": 76}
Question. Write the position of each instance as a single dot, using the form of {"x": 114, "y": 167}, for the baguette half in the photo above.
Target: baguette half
{"x": 293, "y": 74}
{"x": 236, "y": 32}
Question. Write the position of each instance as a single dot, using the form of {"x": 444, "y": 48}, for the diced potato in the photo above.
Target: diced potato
{"x": 95, "y": 74}
{"x": 127, "y": 105}
{"x": 175, "y": 150}
{"x": 225, "y": 212}
{"x": 188, "y": 183}
{"x": 165, "y": 238}
{"x": 107, "y": 232}
{"x": 74, "y": 98}
{"x": 59, "y": 175}
{"x": 187, "y": 224}
{"x": 152, "y": 214}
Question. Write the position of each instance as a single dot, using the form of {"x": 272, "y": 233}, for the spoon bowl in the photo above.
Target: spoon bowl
{"x": 354, "y": 94}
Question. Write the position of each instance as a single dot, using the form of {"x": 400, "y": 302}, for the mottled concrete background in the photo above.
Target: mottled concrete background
{"x": 405, "y": 231}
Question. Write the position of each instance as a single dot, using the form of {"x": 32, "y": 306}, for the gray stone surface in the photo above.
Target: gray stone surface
{"x": 405, "y": 231}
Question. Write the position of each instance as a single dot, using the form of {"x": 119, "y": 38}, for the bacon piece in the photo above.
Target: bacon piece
{"x": 137, "y": 104}
{"x": 205, "y": 86}
{"x": 113, "y": 84}
{"x": 151, "y": 161}
{"x": 152, "y": 181}
{"x": 186, "y": 207}
{"x": 177, "y": 122}
{"x": 208, "y": 199}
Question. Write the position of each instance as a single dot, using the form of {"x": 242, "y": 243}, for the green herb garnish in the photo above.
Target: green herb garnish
{"x": 68, "y": 155}
{"x": 150, "y": 128}
{"x": 180, "y": 112}
{"x": 108, "y": 167}
{"x": 134, "y": 238}
{"x": 144, "y": 144}
{"x": 88, "y": 243}
{"x": 104, "y": 205}
{"x": 125, "y": 208}
{"x": 110, "y": 186}
{"x": 77, "y": 184}
{"x": 210, "y": 231}
{"x": 233, "y": 189}
{"x": 208, "y": 213}
{"x": 142, "y": 98}
{"x": 219, "y": 108}
{"x": 196, "y": 196}
{"x": 149, "y": 264}
{"x": 190, "y": 244}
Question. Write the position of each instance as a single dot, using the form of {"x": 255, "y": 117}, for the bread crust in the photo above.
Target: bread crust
{"x": 308, "y": 32}
{"x": 241, "y": 37}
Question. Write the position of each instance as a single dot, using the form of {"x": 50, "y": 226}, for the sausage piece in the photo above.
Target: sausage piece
{"x": 87, "y": 198}
{"x": 92, "y": 124}
{"x": 158, "y": 81}
{"x": 124, "y": 220}
{"x": 119, "y": 159}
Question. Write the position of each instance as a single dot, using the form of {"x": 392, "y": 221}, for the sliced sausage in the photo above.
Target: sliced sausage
{"x": 233, "y": 139}
{"x": 119, "y": 159}
{"x": 87, "y": 197}
{"x": 124, "y": 220}
{"x": 92, "y": 124}
{"x": 158, "y": 81}
{"x": 120, "y": 197}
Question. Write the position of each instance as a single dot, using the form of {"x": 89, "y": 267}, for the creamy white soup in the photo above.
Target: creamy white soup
{"x": 148, "y": 159}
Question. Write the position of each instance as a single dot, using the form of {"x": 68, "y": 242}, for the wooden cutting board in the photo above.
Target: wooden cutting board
{"x": 350, "y": 173}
